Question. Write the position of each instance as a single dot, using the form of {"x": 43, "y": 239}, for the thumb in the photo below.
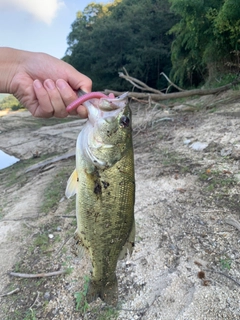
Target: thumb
{"x": 77, "y": 81}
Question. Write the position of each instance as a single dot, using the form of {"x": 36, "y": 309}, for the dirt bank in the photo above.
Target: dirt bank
{"x": 186, "y": 259}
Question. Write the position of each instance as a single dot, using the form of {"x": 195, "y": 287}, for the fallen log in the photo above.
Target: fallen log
{"x": 174, "y": 95}
{"x": 158, "y": 95}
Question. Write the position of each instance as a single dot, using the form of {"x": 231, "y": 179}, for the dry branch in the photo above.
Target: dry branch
{"x": 159, "y": 96}
{"x": 9, "y": 293}
{"x": 37, "y": 275}
{"x": 175, "y": 95}
{"x": 233, "y": 222}
{"x": 223, "y": 274}
{"x": 171, "y": 83}
{"x": 35, "y": 301}
{"x": 137, "y": 83}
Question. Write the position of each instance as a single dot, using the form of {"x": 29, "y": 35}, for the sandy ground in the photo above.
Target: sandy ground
{"x": 186, "y": 260}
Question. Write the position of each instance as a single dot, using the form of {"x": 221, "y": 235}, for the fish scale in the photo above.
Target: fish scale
{"x": 105, "y": 197}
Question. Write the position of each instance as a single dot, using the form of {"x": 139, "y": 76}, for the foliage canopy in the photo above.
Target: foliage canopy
{"x": 130, "y": 34}
{"x": 192, "y": 40}
{"x": 207, "y": 39}
{"x": 9, "y": 102}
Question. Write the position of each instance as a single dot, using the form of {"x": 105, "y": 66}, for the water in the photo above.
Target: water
{"x": 6, "y": 160}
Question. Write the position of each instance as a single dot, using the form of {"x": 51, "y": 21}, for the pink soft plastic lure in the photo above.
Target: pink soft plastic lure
{"x": 87, "y": 96}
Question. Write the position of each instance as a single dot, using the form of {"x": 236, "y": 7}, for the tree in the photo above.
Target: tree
{"x": 130, "y": 34}
{"x": 10, "y": 102}
{"x": 227, "y": 22}
{"x": 205, "y": 38}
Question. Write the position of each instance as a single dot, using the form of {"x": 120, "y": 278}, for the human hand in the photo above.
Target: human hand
{"x": 45, "y": 85}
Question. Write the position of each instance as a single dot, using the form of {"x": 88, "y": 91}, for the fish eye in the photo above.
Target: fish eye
{"x": 124, "y": 121}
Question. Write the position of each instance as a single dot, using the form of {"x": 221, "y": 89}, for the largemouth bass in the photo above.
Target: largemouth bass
{"x": 105, "y": 190}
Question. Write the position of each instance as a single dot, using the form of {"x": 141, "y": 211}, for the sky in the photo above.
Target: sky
{"x": 39, "y": 25}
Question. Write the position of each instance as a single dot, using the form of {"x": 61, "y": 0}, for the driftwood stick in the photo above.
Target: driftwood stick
{"x": 138, "y": 84}
{"x": 9, "y": 293}
{"x": 140, "y": 101}
{"x": 172, "y": 84}
{"x": 223, "y": 274}
{"x": 37, "y": 275}
{"x": 152, "y": 102}
{"x": 128, "y": 78}
{"x": 233, "y": 222}
{"x": 66, "y": 240}
{"x": 121, "y": 75}
{"x": 35, "y": 301}
{"x": 125, "y": 70}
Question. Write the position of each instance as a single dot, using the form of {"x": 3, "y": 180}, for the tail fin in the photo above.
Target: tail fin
{"x": 108, "y": 292}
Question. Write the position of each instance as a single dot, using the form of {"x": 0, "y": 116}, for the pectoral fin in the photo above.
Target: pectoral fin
{"x": 72, "y": 185}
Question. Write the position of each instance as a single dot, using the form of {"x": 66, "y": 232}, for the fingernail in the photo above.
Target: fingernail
{"x": 37, "y": 84}
{"x": 49, "y": 84}
{"x": 61, "y": 84}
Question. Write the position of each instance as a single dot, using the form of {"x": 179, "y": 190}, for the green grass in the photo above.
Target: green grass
{"x": 36, "y": 123}
{"x": 109, "y": 313}
{"x": 55, "y": 191}
{"x": 81, "y": 297}
{"x": 15, "y": 174}
{"x": 216, "y": 179}
{"x": 30, "y": 315}
{"x": 71, "y": 205}
{"x": 223, "y": 80}
{"x": 67, "y": 265}
{"x": 170, "y": 158}
{"x": 41, "y": 241}
{"x": 225, "y": 263}
{"x": 82, "y": 306}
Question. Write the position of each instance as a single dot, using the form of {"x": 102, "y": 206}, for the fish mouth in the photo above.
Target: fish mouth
{"x": 106, "y": 103}
{"x": 110, "y": 104}
{"x": 100, "y": 109}
{"x": 106, "y": 108}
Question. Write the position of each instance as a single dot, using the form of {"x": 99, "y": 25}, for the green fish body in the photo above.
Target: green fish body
{"x": 105, "y": 191}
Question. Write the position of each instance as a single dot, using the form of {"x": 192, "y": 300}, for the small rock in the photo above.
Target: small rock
{"x": 55, "y": 311}
{"x": 50, "y": 236}
{"x": 235, "y": 154}
{"x": 214, "y": 147}
{"x": 237, "y": 177}
{"x": 187, "y": 141}
{"x": 198, "y": 146}
{"x": 47, "y": 296}
{"x": 184, "y": 108}
{"x": 226, "y": 152}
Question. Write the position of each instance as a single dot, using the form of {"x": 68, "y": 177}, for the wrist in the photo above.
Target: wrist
{"x": 10, "y": 61}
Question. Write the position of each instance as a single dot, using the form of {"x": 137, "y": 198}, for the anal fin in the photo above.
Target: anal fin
{"x": 78, "y": 247}
{"x": 128, "y": 247}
